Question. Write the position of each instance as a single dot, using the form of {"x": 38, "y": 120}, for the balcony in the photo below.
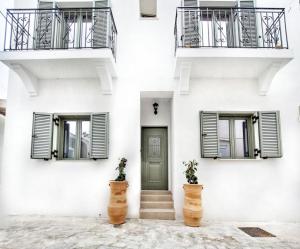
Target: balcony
{"x": 61, "y": 43}
{"x": 230, "y": 43}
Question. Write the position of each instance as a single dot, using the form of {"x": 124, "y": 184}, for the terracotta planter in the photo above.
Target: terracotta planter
{"x": 117, "y": 208}
{"x": 192, "y": 210}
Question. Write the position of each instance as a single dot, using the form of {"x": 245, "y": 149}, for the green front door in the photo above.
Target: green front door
{"x": 154, "y": 158}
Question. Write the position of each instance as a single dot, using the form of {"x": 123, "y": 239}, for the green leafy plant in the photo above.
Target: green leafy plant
{"x": 121, "y": 169}
{"x": 191, "y": 168}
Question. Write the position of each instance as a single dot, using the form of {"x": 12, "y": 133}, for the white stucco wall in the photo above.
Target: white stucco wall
{"x": 68, "y": 187}
{"x": 267, "y": 190}
{"x": 239, "y": 189}
{"x": 3, "y": 81}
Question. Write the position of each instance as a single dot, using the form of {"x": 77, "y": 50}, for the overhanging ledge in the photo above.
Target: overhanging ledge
{"x": 249, "y": 63}
{"x": 35, "y": 65}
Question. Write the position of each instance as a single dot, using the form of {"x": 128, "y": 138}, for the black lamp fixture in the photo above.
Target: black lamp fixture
{"x": 155, "y": 106}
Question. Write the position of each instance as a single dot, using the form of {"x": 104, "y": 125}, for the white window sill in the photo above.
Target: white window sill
{"x": 148, "y": 18}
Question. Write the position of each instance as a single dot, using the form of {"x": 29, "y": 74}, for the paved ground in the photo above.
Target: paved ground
{"x": 34, "y": 232}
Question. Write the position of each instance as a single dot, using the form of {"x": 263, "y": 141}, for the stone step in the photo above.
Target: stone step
{"x": 157, "y": 214}
{"x": 156, "y": 198}
{"x": 157, "y": 204}
{"x": 156, "y": 192}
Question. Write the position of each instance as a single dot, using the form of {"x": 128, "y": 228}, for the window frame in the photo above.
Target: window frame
{"x": 60, "y": 135}
{"x": 251, "y": 133}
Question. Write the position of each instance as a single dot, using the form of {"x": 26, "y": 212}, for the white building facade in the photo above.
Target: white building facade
{"x": 84, "y": 78}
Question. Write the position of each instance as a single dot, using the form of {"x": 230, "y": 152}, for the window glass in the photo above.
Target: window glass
{"x": 77, "y": 29}
{"x": 86, "y": 30}
{"x": 241, "y": 138}
{"x": 234, "y": 134}
{"x": 213, "y": 27}
{"x": 224, "y": 138}
{"x": 148, "y": 8}
{"x": 69, "y": 139}
{"x": 85, "y": 139}
{"x": 154, "y": 147}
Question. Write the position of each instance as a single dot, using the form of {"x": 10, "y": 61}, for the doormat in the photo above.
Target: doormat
{"x": 256, "y": 232}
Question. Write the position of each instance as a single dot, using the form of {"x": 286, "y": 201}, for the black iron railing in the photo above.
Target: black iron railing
{"x": 230, "y": 27}
{"x": 60, "y": 28}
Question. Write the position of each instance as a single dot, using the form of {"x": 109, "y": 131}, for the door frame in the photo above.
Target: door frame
{"x": 167, "y": 150}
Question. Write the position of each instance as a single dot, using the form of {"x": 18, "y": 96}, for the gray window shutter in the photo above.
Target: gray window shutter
{"x": 209, "y": 134}
{"x": 248, "y": 24}
{"x": 63, "y": 35}
{"x": 44, "y": 36}
{"x": 42, "y": 130}
{"x": 100, "y": 22}
{"x": 269, "y": 134}
{"x": 191, "y": 33}
{"x": 99, "y": 135}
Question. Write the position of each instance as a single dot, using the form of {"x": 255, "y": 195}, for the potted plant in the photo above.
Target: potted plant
{"x": 192, "y": 210}
{"x": 117, "y": 208}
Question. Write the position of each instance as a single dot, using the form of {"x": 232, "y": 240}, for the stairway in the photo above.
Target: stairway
{"x": 157, "y": 204}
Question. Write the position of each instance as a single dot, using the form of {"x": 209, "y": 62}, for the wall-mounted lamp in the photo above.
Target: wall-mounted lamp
{"x": 155, "y": 106}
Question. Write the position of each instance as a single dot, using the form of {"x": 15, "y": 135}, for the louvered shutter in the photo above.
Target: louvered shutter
{"x": 209, "y": 134}
{"x": 248, "y": 24}
{"x": 44, "y": 25}
{"x": 191, "y": 33}
{"x": 42, "y": 130}
{"x": 100, "y": 22}
{"x": 66, "y": 20}
{"x": 269, "y": 134}
{"x": 99, "y": 135}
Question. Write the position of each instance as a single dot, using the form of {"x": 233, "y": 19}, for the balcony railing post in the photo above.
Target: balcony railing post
{"x": 285, "y": 29}
{"x": 280, "y": 33}
{"x": 175, "y": 32}
{"x": 11, "y": 33}
{"x": 5, "y": 33}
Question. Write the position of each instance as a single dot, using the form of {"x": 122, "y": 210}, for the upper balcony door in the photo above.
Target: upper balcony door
{"x": 228, "y": 24}
{"x": 67, "y": 27}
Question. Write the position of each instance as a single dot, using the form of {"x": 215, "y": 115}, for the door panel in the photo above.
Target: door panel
{"x": 154, "y": 172}
{"x": 154, "y": 158}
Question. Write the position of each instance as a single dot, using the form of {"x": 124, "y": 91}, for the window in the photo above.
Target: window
{"x": 236, "y": 138}
{"x": 148, "y": 8}
{"x": 232, "y": 135}
{"x": 74, "y": 136}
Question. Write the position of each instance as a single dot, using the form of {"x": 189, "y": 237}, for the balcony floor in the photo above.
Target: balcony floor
{"x": 35, "y": 65}
{"x": 64, "y": 63}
